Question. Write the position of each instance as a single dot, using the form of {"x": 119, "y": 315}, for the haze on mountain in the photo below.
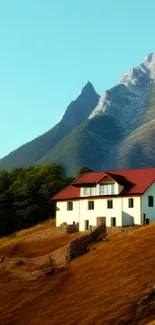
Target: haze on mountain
{"x": 116, "y": 130}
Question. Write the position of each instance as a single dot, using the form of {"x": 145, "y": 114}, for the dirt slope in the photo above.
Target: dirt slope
{"x": 99, "y": 288}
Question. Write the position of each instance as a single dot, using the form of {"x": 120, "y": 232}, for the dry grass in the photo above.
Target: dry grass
{"x": 47, "y": 224}
{"x": 36, "y": 248}
{"x": 23, "y": 233}
{"x": 98, "y": 288}
{"x": 31, "y": 256}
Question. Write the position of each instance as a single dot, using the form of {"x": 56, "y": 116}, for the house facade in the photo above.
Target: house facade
{"x": 116, "y": 198}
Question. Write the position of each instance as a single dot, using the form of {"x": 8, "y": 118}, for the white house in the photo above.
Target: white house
{"x": 118, "y": 198}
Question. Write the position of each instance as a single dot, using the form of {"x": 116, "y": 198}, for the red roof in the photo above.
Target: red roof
{"x": 136, "y": 181}
{"x": 69, "y": 192}
{"x": 88, "y": 178}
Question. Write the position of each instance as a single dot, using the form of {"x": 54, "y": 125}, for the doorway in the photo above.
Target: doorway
{"x": 101, "y": 220}
{"x": 113, "y": 222}
{"x": 147, "y": 221}
{"x": 86, "y": 224}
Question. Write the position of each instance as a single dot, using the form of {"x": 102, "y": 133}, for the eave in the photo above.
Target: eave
{"x": 99, "y": 197}
{"x": 84, "y": 185}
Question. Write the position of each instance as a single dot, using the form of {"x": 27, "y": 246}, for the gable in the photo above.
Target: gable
{"x": 106, "y": 180}
{"x": 151, "y": 188}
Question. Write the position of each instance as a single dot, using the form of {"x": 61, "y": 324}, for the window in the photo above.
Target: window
{"x": 86, "y": 191}
{"x": 90, "y": 205}
{"x": 130, "y": 203}
{"x": 113, "y": 222}
{"x": 109, "y": 204}
{"x": 69, "y": 206}
{"x": 150, "y": 201}
{"x": 106, "y": 189}
{"x": 89, "y": 191}
{"x": 93, "y": 190}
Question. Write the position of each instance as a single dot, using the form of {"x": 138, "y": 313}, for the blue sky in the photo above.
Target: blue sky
{"x": 50, "y": 48}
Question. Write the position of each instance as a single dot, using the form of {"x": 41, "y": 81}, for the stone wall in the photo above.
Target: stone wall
{"x": 117, "y": 230}
{"x": 80, "y": 246}
{"x": 60, "y": 256}
{"x": 61, "y": 230}
{"x": 72, "y": 228}
{"x": 77, "y": 247}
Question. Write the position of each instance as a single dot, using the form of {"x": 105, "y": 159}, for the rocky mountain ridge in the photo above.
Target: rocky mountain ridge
{"x": 116, "y": 130}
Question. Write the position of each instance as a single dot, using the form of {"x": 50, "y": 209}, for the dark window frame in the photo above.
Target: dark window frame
{"x": 130, "y": 203}
{"x": 70, "y": 206}
{"x": 90, "y": 205}
{"x": 150, "y": 201}
{"x": 109, "y": 204}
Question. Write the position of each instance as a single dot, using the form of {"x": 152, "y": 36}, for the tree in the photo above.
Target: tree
{"x": 84, "y": 170}
{"x": 25, "y": 195}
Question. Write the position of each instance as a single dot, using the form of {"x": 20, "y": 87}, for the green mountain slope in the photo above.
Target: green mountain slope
{"x": 76, "y": 112}
{"x": 88, "y": 144}
{"x": 30, "y": 152}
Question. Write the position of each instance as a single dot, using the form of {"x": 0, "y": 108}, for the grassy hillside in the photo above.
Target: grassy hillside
{"x": 87, "y": 145}
{"x": 32, "y": 151}
{"x": 14, "y": 238}
{"x": 100, "y": 287}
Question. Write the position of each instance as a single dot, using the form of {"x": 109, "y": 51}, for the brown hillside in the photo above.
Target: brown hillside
{"x": 100, "y": 287}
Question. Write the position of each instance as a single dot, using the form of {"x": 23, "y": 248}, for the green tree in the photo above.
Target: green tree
{"x": 25, "y": 195}
{"x": 84, "y": 170}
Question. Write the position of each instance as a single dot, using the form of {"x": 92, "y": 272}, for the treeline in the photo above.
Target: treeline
{"x": 25, "y": 196}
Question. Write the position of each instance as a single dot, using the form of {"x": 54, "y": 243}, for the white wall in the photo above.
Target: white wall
{"x": 100, "y": 210}
{"x": 80, "y": 212}
{"x": 63, "y": 215}
{"x": 123, "y": 214}
{"x": 131, "y": 215}
{"x": 149, "y": 211}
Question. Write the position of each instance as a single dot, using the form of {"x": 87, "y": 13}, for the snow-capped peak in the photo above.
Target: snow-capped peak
{"x": 128, "y": 77}
{"x": 149, "y": 64}
{"x": 127, "y": 99}
{"x": 149, "y": 60}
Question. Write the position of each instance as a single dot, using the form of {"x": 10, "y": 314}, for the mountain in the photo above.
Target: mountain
{"x": 116, "y": 130}
{"x": 87, "y": 145}
{"x": 137, "y": 149}
{"x": 128, "y": 99}
{"x": 131, "y": 107}
{"x": 77, "y": 112}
